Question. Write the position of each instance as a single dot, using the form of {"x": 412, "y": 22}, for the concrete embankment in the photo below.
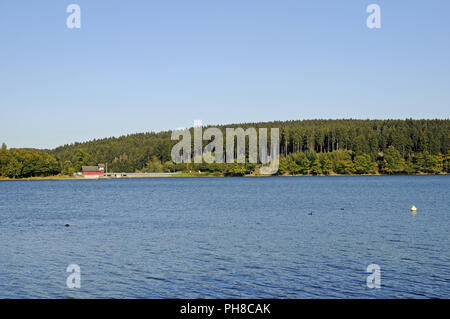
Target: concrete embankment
{"x": 137, "y": 175}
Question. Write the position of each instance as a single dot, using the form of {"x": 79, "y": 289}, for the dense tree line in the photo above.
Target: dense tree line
{"x": 413, "y": 139}
{"x": 306, "y": 147}
{"x": 22, "y": 163}
{"x": 347, "y": 162}
{"x": 337, "y": 162}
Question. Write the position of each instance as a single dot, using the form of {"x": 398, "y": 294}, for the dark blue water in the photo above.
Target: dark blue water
{"x": 226, "y": 237}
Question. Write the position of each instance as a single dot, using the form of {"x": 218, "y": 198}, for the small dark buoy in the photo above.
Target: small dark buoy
{"x": 67, "y": 225}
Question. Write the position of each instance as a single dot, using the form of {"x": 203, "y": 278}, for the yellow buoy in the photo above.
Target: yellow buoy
{"x": 414, "y": 208}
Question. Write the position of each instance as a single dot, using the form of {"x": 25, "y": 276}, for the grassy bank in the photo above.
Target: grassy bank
{"x": 41, "y": 178}
{"x": 203, "y": 174}
{"x": 294, "y": 175}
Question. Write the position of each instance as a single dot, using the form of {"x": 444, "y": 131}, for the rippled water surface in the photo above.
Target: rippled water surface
{"x": 226, "y": 237}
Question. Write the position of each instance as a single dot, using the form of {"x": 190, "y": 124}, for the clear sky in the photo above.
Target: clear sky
{"x": 137, "y": 66}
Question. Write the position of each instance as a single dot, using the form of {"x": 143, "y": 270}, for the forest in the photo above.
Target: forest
{"x": 23, "y": 163}
{"x": 307, "y": 147}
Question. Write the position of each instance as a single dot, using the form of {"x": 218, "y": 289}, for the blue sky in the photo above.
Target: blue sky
{"x": 137, "y": 66}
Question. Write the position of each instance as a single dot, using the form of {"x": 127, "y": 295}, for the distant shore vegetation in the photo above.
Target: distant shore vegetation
{"x": 309, "y": 147}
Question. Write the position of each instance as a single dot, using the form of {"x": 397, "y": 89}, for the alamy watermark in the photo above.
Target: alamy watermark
{"x": 374, "y": 279}
{"x": 374, "y": 19}
{"x": 74, "y": 279}
{"x": 234, "y": 153}
{"x": 74, "y": 19}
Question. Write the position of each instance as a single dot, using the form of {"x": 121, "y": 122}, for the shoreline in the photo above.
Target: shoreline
{"x": 196, "y": 175}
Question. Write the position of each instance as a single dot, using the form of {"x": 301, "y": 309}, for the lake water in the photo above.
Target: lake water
{"x": 226, "y": 237}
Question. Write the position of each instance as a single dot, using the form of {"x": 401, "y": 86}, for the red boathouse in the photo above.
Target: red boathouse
{"x": 93, "y": 171}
